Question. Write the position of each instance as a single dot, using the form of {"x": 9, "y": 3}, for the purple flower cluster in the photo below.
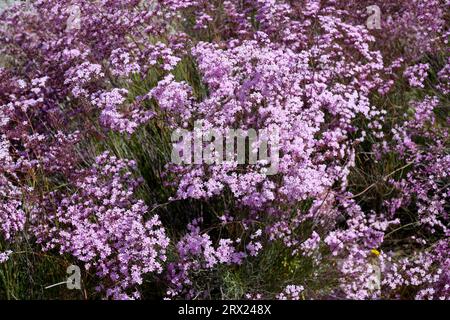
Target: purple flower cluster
{"x": 197, "y": 252}
{"x": 343, "y": 100}
{"x": 12, "y": 215}
{"x": 291, "y": 292}
{"x": 261, "y": 86}
{"x": 103, "y": 226}
{"x": 417, "y": 74}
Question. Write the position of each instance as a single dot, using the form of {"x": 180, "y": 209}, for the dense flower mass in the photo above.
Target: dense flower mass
{"x": 103, "y": 226}
{"x": 357, "y": 208}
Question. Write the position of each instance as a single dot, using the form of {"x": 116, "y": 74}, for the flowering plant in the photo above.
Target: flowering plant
{"x": 90, "y": 92}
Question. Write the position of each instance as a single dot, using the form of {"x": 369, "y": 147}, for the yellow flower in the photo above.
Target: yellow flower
{"x": 375, "y": 252}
